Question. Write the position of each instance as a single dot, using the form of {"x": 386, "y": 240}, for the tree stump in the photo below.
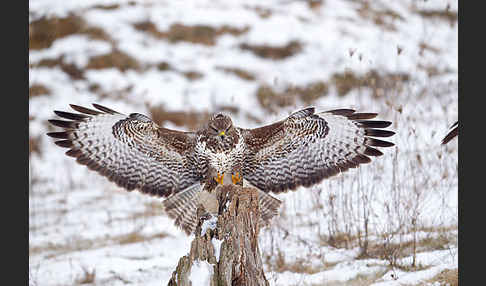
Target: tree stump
{"x": 227, "y": 253}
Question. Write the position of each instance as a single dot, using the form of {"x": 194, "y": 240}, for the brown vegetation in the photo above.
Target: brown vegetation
{"x": 262, "y": 12}
{"x": 381, "y": 17}
{"x": 44, "y": 31}
{"x": 379, "y": 83}
{"x": 272, "y": 100}
{"x": 115, "y": 59}
{"x": 87, "y": 277}
{"x": 79, "y": 243}
{"x": 190, "y": 119}
{"x": 243, "y": 74}
{"x": 37, "y": 89}
{"x": 34, "y": 143}
{"x": 446, "y": 277}
{"x": 74, "y": 72}
{"x": 299, "y": 265}
{"x": 274, "y": 52}
{"x": 442, "y": 14}
{"x": 198, "y": 34}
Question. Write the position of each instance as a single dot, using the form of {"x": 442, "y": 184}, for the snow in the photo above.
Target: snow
{"x": 201, "y": 272}
{"x": 209, "y": 224}
{"x": 217, "y": 247}
{"x": 80, "y": 223}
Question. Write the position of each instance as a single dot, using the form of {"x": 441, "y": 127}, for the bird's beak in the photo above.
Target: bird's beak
{"x": 221, "y": 133}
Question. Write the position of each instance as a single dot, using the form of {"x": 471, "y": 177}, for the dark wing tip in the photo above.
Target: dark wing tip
{"x": 84, "y": 110}
{"x": 64, "y": 143}
{"x": 343, "y": 111}
{"x": 372, "y": 152}
{"x": 362, "y": 116}
{"x": 63, "y": 123}
{"x": 378, "y": 132}
{"x": 105, "y": 109}
{"x": 378, "y": 143}
{"x": 453, "y": 133}
{"x": 58, "y": 135}
{"x": 361, "y": 159}
{"x": 69, "y": 115}
{"x": 374, "y": 123}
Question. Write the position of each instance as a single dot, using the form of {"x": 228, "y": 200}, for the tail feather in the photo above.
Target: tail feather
{"x": 182, "y": 208}
{"x": 268, "y": 207}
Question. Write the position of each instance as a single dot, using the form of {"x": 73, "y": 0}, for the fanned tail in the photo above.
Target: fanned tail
{"x": 182, "y": 207}
{"x": 268, "y": 207}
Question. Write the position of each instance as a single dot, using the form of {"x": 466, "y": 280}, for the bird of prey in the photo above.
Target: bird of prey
{"x": 183, "y": 167}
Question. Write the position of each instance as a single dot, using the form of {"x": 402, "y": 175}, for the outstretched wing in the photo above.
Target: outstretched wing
{"x": 131, "y": 151}
{"x": 307, "y": 147}
{"x": 454, "y": 131}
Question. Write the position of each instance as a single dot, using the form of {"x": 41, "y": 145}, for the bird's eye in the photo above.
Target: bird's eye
{"x": 214, "y": 129}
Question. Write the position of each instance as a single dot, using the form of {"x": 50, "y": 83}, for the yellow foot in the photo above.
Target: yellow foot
{"x": 219, "y": 178}
{"x": 236, "y": 178}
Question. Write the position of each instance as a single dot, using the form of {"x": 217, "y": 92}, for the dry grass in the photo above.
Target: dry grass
{"x": 192, "y": 75}
{"x": 70, "y": 69}
{"x": 164, "y": 66}
{"x": 87, "y": 277}
{"x": 262, "y": 12}
{"x": 379, "y": 83}
{"x": 439, "y": 14}
{"x": 432, "y": 70}
{"x": 273, "y": 100}
{"x": 446, "y": 277}
{"x": 80, "y": 244}
{"x": 34, "y": 145}
{"x": 243, "y": 74}
{"x": 198, "y": 34}
{"x": 384, "y": 18}
{"x": 339, "y": 240}
{"x": 359, "y": 280}
{"x": 135, "y": 236}
{"x": 115, "y": 59}
{"x": 300, "y": 265}
{"x": 274, "y": 52}
{"x": 190, "y": 119}
{"x": 106, "y": 7}
{"x": 44, "y": 31}
{"x": 37, "y": 89}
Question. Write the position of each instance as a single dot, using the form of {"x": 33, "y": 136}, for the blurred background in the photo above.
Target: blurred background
{"x": 389, "y": 222}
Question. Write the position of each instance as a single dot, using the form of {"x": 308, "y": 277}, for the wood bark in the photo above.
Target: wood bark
{"x": 239, "y": 261}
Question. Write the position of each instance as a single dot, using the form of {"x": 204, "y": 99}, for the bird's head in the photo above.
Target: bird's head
{"x": 220, "y": 125}
{"x": 221, "y": 129}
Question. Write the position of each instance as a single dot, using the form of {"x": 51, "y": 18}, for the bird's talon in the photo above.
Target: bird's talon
{"x": 236, "y": 178}
{"x": 219, "y": 178}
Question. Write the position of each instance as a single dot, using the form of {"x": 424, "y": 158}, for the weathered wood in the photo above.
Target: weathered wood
{"x": 239, "y": 261}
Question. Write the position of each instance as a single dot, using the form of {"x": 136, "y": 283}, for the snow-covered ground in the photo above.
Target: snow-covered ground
{"x": 84, "y": 229}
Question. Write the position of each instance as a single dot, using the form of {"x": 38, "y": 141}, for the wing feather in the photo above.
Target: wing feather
{"x": 454, "y": 131}
{"x": 307, "y": 147}
{"x": 131, "y": 151}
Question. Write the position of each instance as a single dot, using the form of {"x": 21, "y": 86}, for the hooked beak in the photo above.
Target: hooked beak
{"x": 222, "y": 134}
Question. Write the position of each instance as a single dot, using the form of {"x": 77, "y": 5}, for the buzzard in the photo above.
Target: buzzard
{"x": 300, "y": 150}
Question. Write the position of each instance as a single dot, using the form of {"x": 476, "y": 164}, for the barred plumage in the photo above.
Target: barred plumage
{"x": 136, "y": 153}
